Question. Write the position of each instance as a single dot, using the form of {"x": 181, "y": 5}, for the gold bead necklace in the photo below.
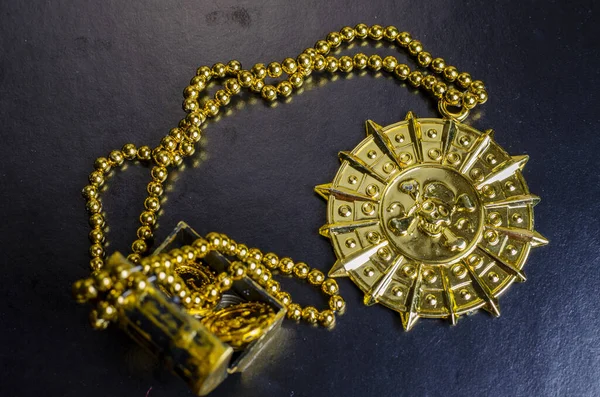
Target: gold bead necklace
{"x": 429, "y": 217}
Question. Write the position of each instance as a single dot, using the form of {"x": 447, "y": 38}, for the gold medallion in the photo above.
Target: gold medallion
{"x": 240, "y": 324}
{"x": 430, "y": 218}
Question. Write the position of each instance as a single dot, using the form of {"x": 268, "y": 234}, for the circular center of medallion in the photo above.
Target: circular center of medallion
{"x": 432, "y": 214}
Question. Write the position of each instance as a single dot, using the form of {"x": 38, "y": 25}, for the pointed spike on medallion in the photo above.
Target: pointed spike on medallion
{"x": 489, "y": 133}
{"x": 372, "y": 127}
{"x": 530, "y": 236}
{"x": 324, "y": 231}
{"x": 410, "y": 115}
{"x": 409, "y": 320}
{"x": 538, "y": 240}
{"x": 360, "y": 165}
{"x": 515, "y": 201}
{"x": 516, "y": 163}
{"x": 338, "y": 270}
{"x": 492, "y": 307}
{"x": 414, "y": 129}
{"x": 369, "y": 300}
{"x": 518, "y": 273}
{"x": 324, "y": 190}
{"x": 449, "y": 295}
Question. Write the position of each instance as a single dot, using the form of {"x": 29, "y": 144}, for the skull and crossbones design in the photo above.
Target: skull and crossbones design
{"x": 434, "y": 206}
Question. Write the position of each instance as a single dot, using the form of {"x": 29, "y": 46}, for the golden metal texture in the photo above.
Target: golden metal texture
{"x": 430, "y": 218}
{"x": 240, "y": 324}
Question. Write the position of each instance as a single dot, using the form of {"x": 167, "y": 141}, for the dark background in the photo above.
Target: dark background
{"x": 80, "y": 78}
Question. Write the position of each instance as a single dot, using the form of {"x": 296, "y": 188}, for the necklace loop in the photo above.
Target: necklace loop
{"x": 458, "y": 116}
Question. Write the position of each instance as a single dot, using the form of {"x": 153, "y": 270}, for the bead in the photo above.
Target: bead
{"x": 96, "y": 220}
{"x": 96, "y": 178}
{"x": 286, "y": 265}
{"x": 322, "y": 47}
{"x": 424, "y": 58}
{"x": 176, "y": 133}
{"x": 361, "y": 30}
{"x": 289, "y": 65}
{"x": 147, "y": 218}
{"x": 284, "y": 298}
{"x": 347, "y": 34}
{"x": 439, "y": 89}
{"x": 152, "y": 203}
{"x": 402, "y": 71}
{"x": 144, "y": 232}
{"x": 218, "y": 70}
{"x": 129, "y": 151}
{"x": 296, "y": 80}
{"x": 191, "y": 92}
{"x": 389, "y": 63}
{"x": 415, "y": 77}
{"x": 482, "y": 96}
{"x": 330, "y": 287}
{"x": 360, "y": 61}
{"x": 284, "y": 88}
{"x": 186, "y": 148}
{"x": 237, "y": 270}
{"x": 331, "y": 64}
{"x": 345, "y": 64}
{"x": 415, "y": 47}
{"x": 144, "y": 153}
{"x": 199, "y": 82}
{"x": 404, "y": 39}
{"x": 89, "y": 192}
{"x": 96, "y": 235}
{"x": 464, "y": 79}
{"x": 316, "y": 277}
{"x": 272, "y": 287}
{"x": 258, "y": 85}
{"x": 469, "y": 100}
{"x": 211, "y": 108}
{"x": 428, "y": 82}
{"x": 390, "y": 33}
{"x": 212, "y": 293}
{"x": 84, "y": 290}
{"x": 311, "y": 52}
{"x": 375, "y": 32}
{"x": 270, "y": 260}
{"x": 438, "y": 65}
{"x": 97, "y": 322}
{"x": 476, "y": 86}
{"x": 102, "y": 165}
{"x": 155, "y": 189}
{"x": 310, "y": 314}
{"x": 375, "y": 63}
{"x": 93, "y": 206}
{"x": 225, "y": 281}
{"x": 327, "y": 318}
{"x": 96, "y": 264}
{"x": 450, "y": 73}
{"x": 337, "y": 303}
{"x": 301, "y": 270}
{"x": 189, "y": 105}
{"x": 269, "y": 93}
{"x": 196, "y": 118}
{"x": 294, "y": 311}
{"x": 319, "y": 63}
{"x": 452, "y": 96}
{"x": 259, "y": 71}
{"x": 264, "y": 277}
{"x": 96, "y": 251}
{"x": 233, "y": 67}
{"x": 222, "y": 97}
{"x": 204, "y": 71}
{"x": 274, "y": 69}
{"x": 139, "y": 246}
{"x": 202, "y": 247}
{"x": 159, "y": 174}
{"x": 242, "y": 251}
{"x": 304, "y": 61}
{"x": 254, "y": 254}
{"x": 169, "y": 144}
{"x": 334, "y": 39}
{"x": 245, "y": 79}
{"x": 193, "y": 134}
{"x": 232, "y": 86}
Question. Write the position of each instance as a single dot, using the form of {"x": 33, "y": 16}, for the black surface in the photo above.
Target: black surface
{"x": 78, "y": 79}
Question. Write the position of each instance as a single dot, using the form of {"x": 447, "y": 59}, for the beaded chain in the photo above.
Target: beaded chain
{"x": 454, "y": 89}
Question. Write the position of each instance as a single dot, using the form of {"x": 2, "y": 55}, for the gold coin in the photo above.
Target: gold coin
{"x": 452, "y": 196}
{"x": 195, "y": 276}
{"x": 240, "y": 324}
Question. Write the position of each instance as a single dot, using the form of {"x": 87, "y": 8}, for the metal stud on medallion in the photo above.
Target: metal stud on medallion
{"x": 430, "y": 218}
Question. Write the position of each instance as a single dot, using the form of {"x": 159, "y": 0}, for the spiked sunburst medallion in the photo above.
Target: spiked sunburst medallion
{"x": 430, "y": 218}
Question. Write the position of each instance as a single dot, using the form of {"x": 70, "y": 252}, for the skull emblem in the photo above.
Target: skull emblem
{"x": 434, "y": 205}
